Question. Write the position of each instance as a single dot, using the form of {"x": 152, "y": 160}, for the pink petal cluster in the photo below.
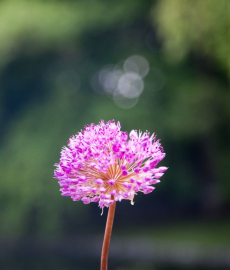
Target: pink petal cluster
{"x": 101, "y": 164}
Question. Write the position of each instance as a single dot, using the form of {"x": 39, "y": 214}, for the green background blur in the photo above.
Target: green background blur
{"x": 55, "y": 61}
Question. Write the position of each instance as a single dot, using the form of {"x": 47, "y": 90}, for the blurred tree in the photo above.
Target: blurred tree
{"x": 198, "y": 26}
{"x": 34, "y": 26}
{"x": 200, "y": 29}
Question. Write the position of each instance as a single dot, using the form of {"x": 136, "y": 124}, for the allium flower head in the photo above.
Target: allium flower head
{"x": 101, "y": 164}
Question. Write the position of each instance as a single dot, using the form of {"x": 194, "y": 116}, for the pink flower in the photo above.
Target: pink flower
{"x": 101, "y": 164}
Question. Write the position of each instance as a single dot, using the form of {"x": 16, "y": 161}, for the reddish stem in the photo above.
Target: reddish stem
{"x": 107, "y": 236}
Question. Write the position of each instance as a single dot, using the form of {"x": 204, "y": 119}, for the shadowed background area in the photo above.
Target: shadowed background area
{"x": 161, "y": 66}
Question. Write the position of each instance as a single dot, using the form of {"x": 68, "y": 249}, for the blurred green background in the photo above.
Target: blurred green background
{"x": 163, "y": 66}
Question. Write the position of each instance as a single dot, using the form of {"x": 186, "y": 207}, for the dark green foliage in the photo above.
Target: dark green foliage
{"x": 49, "y": 52}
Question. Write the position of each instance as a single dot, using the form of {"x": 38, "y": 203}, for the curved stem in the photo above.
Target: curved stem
{"x": 107, "y": 236}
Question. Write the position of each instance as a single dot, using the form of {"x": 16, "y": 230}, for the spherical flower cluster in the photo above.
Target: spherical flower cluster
{"x": 101, "y": 164}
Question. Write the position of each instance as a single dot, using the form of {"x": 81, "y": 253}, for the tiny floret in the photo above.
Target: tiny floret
{"x": 101, "y": 164}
